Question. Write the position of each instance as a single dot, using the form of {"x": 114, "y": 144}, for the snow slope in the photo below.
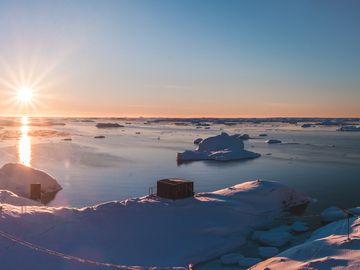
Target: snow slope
{"x": 327, "y": 248}
{"x": 147, "y": 231}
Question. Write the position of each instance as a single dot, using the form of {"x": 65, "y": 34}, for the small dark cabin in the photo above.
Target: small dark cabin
{"x": 175, "y": 188}
{"x": 35, "y": 192}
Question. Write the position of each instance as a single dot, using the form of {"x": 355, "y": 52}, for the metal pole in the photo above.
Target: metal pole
{"x": 348, "y": 227}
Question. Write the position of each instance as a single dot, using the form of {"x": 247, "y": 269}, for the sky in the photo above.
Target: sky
{"x": 188, "y": 58}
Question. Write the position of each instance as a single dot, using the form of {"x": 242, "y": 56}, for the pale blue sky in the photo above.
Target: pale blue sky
{"x": 182, "y": 58}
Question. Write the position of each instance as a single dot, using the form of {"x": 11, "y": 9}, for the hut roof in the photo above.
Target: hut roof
{"x": 174, "y": 181}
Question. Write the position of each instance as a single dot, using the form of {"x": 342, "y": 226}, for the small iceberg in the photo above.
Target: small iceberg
{"x": 306, "y": 125}
{"x": 273, "y": 141}
{"x": 221, "y": 147}
{"x": 349, "y": 128}
{"x": 108, "y": 125}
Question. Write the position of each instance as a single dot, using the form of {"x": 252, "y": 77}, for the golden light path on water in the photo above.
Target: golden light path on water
{"x": 24, "y": 144}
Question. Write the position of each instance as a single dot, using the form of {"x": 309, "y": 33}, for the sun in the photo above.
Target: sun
{"x": 25, "y": 94}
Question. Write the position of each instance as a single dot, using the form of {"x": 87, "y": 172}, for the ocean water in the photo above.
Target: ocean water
{"x": 320, "y": 161}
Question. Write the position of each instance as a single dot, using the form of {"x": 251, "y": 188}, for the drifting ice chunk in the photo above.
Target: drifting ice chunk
{"x": 267, "y": 252}
{"x": 328, "y": 215}
{"x": 244, "y": 136}
{"x": 233, "y": 258}
{"x": 355, "y": 210}
{"x": 276, "y": 239}
{"x": 247, "y": 262}
{"x": 108, "y": 125}
{"x": 299, "y": 226}
{"x": 282, "y": 228}
{"x": 257, "y": 234}
{"x": 273, "y": 141}
{"x": 306, "y": 125}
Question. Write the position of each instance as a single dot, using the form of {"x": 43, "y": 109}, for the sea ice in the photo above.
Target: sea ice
{"x": 244, "y": 137}
{"x": 256, "y": 235}
{"x": 267, "y": 252}
{"x": 332, "y": 214}
{"x": 282, "y": 228}
{"x": 232, "y": 258}
{"x": 299, "y": 228}
{"x": 221, "y": 147}
{"x": 328, "y": 248}
{"x": 248, "y": 262}
{"x": 273, "y": 141}
{"x": 306, "y": 125}
{"x": 275, "y": 239}
{"x": 108, "y": 125}
{"x": 349, "y": 128}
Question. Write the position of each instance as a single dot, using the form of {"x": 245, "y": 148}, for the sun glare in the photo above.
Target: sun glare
{"x": 25, "y": 94}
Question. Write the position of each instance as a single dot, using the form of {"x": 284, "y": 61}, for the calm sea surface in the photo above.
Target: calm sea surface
{"x": 320, "y": 161}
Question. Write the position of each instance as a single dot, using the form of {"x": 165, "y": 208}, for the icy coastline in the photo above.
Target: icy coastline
{"x": 328, "y": 248}
{"x": 147, "y": 231}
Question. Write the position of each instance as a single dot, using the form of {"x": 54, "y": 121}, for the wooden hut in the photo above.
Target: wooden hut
{"x": 175, "y": 188}
{"x": 35, "y": 192}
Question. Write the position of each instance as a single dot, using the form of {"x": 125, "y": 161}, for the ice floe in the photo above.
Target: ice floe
{"x": 268, "y": 252}
{"x": 273, "y": 141}
{"x": 332, "y": 214}
{"x": 275, "y": 239}
{"x": 232, "y": 258}
{"x": 328, "y": 248}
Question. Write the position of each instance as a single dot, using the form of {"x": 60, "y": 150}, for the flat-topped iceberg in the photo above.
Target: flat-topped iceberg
{"x": 221, "y": 147}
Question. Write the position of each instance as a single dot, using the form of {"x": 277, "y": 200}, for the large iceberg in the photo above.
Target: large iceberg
{"x": 221, "y": 147}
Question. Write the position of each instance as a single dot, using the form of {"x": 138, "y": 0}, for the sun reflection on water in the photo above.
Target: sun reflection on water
{"x": 24, "y": 144}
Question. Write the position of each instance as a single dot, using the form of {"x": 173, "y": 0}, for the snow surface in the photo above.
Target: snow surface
{"x": 17, "y": 178}
{"x": 147, "y": 231}
{"x": 221, "y": 147}
{"x": 327, "y": 248}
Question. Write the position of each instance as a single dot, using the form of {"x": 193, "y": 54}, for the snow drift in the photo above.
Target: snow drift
{"x": 327, "y": 248}
{"x": 222, "y": 147}
{"x": 147, "y": 231}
